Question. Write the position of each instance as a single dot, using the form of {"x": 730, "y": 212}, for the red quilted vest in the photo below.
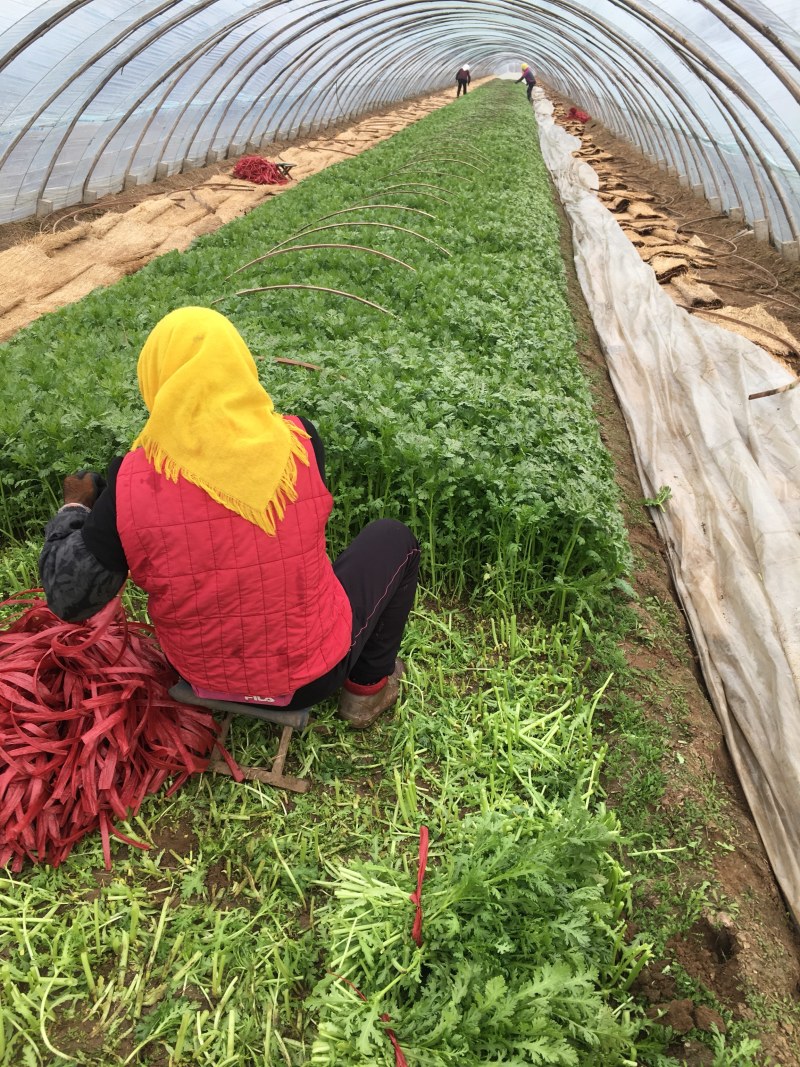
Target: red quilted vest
{"x": 235, "y": 609}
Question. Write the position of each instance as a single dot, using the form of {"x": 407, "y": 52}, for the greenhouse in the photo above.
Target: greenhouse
{"x": 399, "y": 513}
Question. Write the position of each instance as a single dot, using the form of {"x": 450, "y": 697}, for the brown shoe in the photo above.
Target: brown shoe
{"x": 362, "y": 711}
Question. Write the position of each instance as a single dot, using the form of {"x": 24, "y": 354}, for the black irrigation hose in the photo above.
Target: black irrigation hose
{"x": 732, "y": 254}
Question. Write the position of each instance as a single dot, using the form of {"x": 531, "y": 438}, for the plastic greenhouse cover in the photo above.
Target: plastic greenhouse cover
{"x": 731, "y": 524}
{"x": 102, "y": 78}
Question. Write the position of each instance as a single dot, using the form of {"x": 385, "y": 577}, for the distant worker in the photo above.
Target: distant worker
{"x": 528, "y": 77}
{"x": 463, "y": 77}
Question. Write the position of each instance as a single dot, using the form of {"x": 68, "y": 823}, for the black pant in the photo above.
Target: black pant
{"x": 530, "y": 89}
{"x": 461, "y": 85}
{"x": 378, "y": 571}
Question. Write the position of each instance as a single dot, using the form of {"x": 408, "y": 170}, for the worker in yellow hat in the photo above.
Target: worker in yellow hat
{"x": 528, "y": 77}
{"x": 218, "y": 511}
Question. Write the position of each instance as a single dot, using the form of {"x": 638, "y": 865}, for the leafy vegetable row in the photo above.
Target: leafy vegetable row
{"x": 464, "y": 412}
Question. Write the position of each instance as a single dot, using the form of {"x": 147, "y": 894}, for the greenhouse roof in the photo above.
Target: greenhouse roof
{"x": 100, "y": 94}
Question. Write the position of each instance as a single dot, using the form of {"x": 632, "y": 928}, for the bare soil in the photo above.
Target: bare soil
{"x": 746, "y": 951}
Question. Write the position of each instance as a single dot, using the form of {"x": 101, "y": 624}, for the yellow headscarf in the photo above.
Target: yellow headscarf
{"x": 212, "y": 422}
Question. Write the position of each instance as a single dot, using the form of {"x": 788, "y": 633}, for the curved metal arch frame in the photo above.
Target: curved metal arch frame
{"x": 736, "y": 129}
{"x": 637, "y": 114}
{"x": 634, "y": 87}
{"x": 710, "y": 169}
{"x": 334, "y": 74}
{"x": 201, "y": 49}
{"x": 253, "y": 58}
{"x": 251, "y": 14}
{"x": 726, "y": 114}
{"x": 127, "y": 59}
{"x": 85, "y": 66}
{"x": 218, "y": 66}
{"x": 761, "y": 28}
{"x": 758, "y": 183}
{"x": 219, "y": 34}
{"x": 285, "y": 71}
{"x": 303, "y": 65}
{"x": 698, "y": 69}
{"x": 180, "y": 66}
{"x": 278, "y": 43}
{"x": 672, "y": 38}
{"x": 667, "y": 87}
{"x": 34, "y": 35}
{"x": 415, "y": 76}
{"x": 714, "y": 92}
{"x": 647, "y": 16}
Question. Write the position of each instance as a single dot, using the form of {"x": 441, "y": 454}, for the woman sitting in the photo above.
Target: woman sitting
{"x": 219, "y": 513}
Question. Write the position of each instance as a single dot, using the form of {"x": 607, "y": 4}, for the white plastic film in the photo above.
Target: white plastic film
{"x": 732, "y": 523}
{"x": 96, "y": 93}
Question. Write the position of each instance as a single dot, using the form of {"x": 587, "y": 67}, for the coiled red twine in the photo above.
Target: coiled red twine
{"x": 258, "y": 170}
{"x": 87, "y": 729}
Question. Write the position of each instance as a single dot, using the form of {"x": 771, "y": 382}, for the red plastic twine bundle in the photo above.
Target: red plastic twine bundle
{"x": 87, "y": 730}
{"x": 416, "y": 898}
{"x": 259, "y": 171}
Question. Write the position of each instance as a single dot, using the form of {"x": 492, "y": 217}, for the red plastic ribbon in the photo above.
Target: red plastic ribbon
{"x": 399, "y": 1057}
{"x": 87, "y": 729}
{"x": 258, "y": 170}
{"x": 416, "y": 898}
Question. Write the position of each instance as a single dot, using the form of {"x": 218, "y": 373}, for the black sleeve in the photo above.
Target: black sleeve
{"x": 317, "y": 445}
{"x": 100, "y": 529}
{"x": 75, "y": 584}
{"x": 82, "y": 565}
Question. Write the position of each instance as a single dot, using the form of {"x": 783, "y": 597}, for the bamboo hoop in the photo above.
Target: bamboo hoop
{"x": 298, "y": 248}
{"x": 339, "y": 225}
{"x": 441, "y": 159}
{"x": 376, "y": 207}
{"x": 466, "y": 144}
{"x": 772, "y": 392}
{"x": 411, "y": 192}
{"x": 296, "y": 363}
{"x": 316, "y": 288}
{"x": 410, "y": 185}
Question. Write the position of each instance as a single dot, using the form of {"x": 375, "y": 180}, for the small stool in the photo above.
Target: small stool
{"x": 289, "y": 720}
{"x": 284, "y": 169}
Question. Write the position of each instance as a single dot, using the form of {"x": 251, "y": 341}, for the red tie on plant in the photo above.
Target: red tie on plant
{"x": 399, "y": 1057}
{"x": 87, "y": 729}
{"x": 416, "y": 898}
{"x": 416, "y": 932}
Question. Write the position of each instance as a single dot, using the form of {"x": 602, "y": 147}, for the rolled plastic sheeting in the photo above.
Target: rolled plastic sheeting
{"x": 732, "y": 523}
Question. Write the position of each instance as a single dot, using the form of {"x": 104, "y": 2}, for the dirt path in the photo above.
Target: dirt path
{"x": 747, "y": 948}
{"x": 708, "y": 263}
